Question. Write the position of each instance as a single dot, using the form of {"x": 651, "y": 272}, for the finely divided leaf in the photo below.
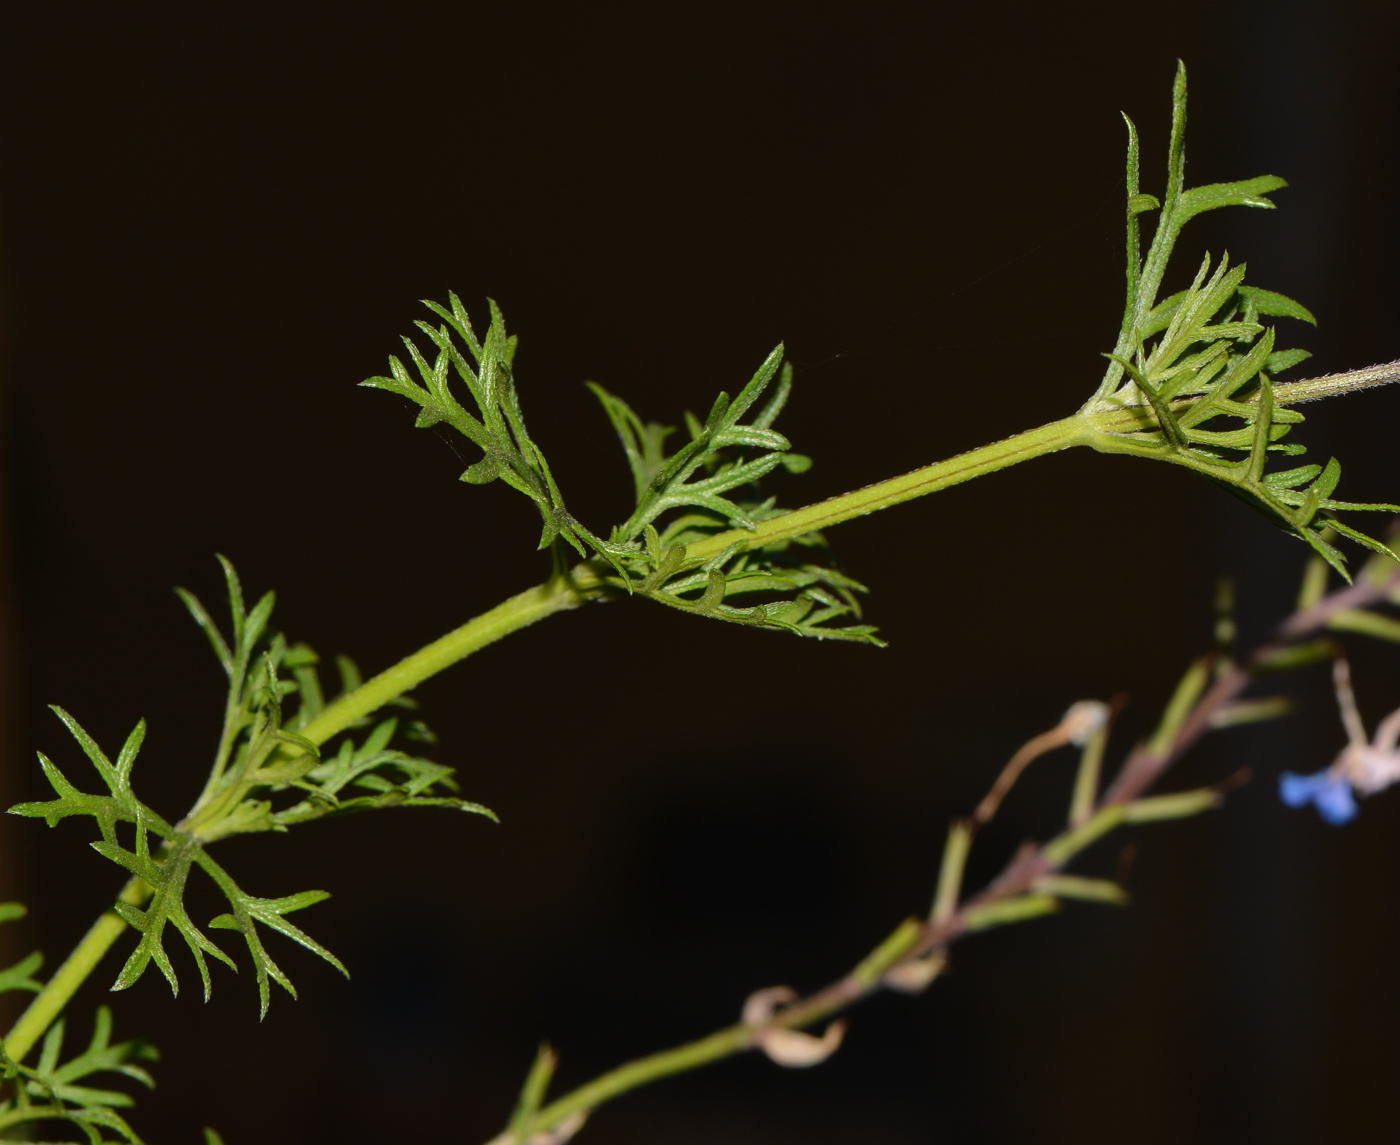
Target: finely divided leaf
{"x": 20, "y": 976}
{"x": 166, "y": 906}
{"x": 1202, "y": 356}
{"x": 49, "y": 1090}
{"x": 248, "y": 911}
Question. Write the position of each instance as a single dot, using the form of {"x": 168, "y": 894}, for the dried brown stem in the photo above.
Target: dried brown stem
{"x": 1029, "y": 752}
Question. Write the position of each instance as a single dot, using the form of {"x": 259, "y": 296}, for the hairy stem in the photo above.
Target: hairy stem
{"x": 1050, "y": 438}
{"x": 555, "y": 595}
{"x": 566, "y": 591}
{"x": 1102, "y": 431}
{"x": 49, "y": 1002}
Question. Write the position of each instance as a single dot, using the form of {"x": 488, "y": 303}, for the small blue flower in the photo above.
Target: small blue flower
{"x": 1330, "y": 794}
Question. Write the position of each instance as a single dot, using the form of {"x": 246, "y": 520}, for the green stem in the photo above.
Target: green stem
{"x": 534, "y": 604}
{"x": 1099, "y": 430}
{"x": 49, "y": 1002}
{"x": 1107, "y": 431}
{"x": 863, "y": 980}
{"x": 1050, "y": 438}
{"x": 731, "y": 1040}
{"x": 692, "y": 1055}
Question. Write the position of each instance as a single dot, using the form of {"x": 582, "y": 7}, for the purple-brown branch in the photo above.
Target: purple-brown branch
{"x": 918, "y": 943}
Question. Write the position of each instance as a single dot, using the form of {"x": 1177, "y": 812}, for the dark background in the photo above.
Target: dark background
{"x": 216, "y": 223}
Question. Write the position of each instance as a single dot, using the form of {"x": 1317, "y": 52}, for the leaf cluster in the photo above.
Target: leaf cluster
{"x": 1201, "y": 363}
{"x": 706, "y": 486}
{"x": 699, "y": 481}
{"x": 50, "y": 1090}
{"x": 261, "y": 754}
{"x": 165, "y": 873}
{"x": 711, "y": 464}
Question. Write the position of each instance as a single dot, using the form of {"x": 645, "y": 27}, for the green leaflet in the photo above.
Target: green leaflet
{"x": 248, "y": 911}
{"x": 369, "y": 767}
{"x": 1281, "y": 360}
{"x": 1085, "y": 890}
{"x": 508, "y": 453}
{"x": 1018, "y": 909}
{"x": 118, "y": 806}
{"x": 533, "y": 1091}
{"x": 1353, "y": 620}
{"x": 1212, "y": 361}
{"x": 167, "y": 880}
{"x": 20, "y": 976}
{"x": 704, "y": 458}
{"x": 49, "y": 1091}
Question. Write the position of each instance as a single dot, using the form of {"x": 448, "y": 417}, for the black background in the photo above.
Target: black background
{"x": 216, "y": 222}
